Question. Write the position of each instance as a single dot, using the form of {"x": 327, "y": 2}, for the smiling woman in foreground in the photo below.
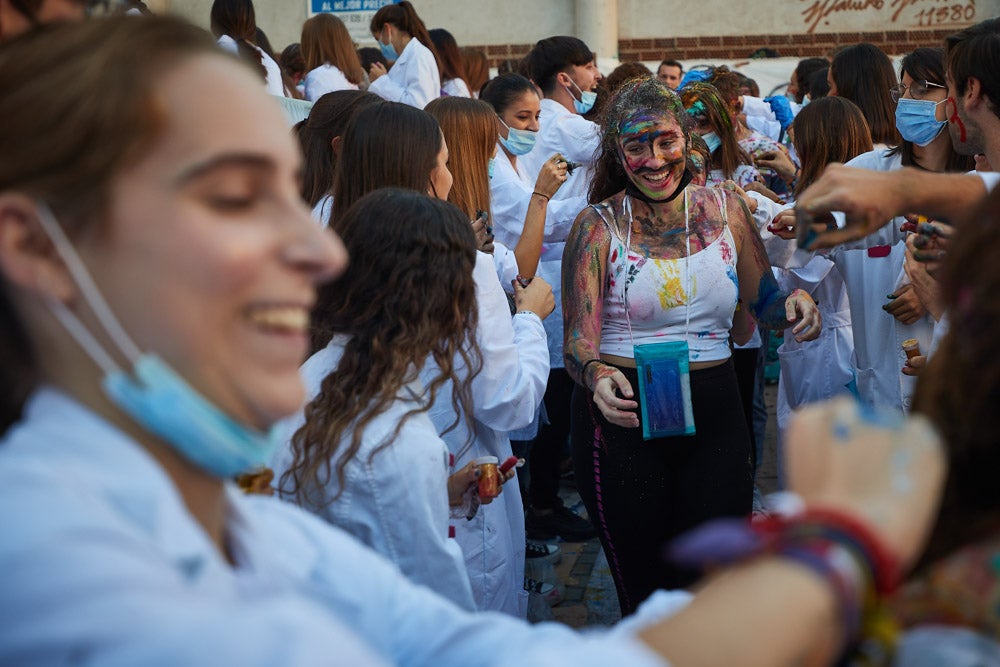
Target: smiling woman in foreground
{"x": 156, "y": 267}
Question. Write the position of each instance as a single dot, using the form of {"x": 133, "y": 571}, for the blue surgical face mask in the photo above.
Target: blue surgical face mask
{"x": 518, "y": 142}
{"x": 586, "y": 101}
{"x": 916, "y": 122}
{"x": 713, "y": 141}
{"x": 492, "y": 167}
{"x": 388, "y": 50}
{"x": 153, "y": 394}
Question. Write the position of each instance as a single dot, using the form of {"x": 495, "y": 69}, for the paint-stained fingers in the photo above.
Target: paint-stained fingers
{"x": 550, "y": 177}
{"x": 801, "y": 309}
{"x": 613, "y": 397}
{"x": 880, "y": 467}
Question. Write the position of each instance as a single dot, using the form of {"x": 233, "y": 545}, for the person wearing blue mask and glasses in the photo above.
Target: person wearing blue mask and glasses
{"x": 890, "y": 303}
{"x": 415, "y": 75}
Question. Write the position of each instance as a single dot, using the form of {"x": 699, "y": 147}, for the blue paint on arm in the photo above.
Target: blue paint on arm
{"x": 769, "y": 306}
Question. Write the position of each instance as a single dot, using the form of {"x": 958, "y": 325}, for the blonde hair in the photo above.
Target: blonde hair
{"x": 325, "y": 40}
{"x": 470, "y": 131}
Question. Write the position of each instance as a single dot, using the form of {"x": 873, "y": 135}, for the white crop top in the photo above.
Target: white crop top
{"x": 656, "y": 291}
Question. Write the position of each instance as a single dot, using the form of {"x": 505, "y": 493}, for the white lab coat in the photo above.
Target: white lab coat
{"x": 275, "y": 84}
{"x": 878, "y": 336}
{"x": 822, "y": 368}
{"x": 394, "y": 501}
{"x": 505, "y": 396}
{"x": 413, "y": 79}
{"x": 510, "y": 194}
{"x": 102, "y": 562}
{"x": 325, "y": 79}
{"x": 455, "y": 88}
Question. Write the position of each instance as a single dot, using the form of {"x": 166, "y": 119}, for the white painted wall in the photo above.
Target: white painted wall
{"x": 682, "y": 18}
{"x": 526, "y": 21}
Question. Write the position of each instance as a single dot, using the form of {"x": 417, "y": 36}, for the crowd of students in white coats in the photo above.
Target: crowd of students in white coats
{"x": 232, "y": 430}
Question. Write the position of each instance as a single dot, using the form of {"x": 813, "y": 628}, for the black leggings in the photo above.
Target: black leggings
{"x": 641, "y": 494}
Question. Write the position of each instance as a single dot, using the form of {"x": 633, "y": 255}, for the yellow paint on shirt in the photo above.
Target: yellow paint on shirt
{"x": 672, "y": 289}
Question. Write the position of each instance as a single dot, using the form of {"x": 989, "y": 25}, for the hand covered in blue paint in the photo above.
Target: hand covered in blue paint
{"x": 800, "y": 308}
{"x": 881, "y": 468}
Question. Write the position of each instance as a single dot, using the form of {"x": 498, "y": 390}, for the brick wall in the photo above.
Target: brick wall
{"x": 737, "y": 47}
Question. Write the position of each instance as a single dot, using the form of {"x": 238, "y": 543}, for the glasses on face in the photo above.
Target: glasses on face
{"x": 918, "y": 90}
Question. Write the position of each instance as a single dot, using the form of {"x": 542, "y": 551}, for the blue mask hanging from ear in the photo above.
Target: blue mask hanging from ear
{"x": 586, "y": 101}
{"x": 712, "y": 140}
{"x": 153, "y": 394}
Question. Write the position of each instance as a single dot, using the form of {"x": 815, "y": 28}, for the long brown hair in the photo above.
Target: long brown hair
{"x": 960, "y": 388}
{"x": 327, "y": 120}
{"x": 385, "y": 145}
{"x": 864, "y": 75}
{"x": 70, "y": 128}
{"x": 470, "y": 131}
{"x": 409, "y": 298}
{"x": 325, "y": 40}
{"x": 477, "y": 68}
{"x": 831, "y": 129}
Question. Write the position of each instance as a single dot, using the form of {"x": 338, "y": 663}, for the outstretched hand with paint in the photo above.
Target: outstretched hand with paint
{"x": 880, "y": 467}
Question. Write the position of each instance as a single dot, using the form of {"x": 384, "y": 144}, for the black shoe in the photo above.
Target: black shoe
{"x": 561, "y": 521}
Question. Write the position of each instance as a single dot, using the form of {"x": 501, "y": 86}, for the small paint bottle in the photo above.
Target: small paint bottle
{"x": 912, "y": 348}
{"x": 489, "y": 477}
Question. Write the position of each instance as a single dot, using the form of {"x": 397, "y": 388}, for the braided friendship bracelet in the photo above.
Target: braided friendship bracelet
{"x": 536, "y": 192}
{"x": 836, "y": 546}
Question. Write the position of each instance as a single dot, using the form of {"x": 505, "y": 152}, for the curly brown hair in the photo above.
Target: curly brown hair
{"x": 960, "y": 388}
{"x": 408, "y": 299}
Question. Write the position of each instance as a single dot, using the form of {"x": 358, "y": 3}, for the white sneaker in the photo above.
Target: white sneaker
{"x": 540, "y": 552}
{"x": 551, "y": 594}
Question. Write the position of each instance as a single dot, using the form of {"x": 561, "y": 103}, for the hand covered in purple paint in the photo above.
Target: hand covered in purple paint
{"x": 881, "y": 468}
{"x": 608, "y": 383}
{"x": 800, "y": 308}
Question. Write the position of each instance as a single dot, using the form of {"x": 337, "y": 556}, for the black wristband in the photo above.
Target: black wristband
{"x": 583, "y": 371}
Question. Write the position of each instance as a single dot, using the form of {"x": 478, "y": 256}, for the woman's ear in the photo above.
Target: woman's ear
{"x": 28, "y": 259}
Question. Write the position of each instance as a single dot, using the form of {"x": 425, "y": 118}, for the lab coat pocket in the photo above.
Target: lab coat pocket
{"x": 802, "y": 376}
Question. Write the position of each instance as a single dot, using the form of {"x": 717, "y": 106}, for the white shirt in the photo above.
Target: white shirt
{"x": 456, "y": 88}
{"x": 101, "y": 562}
{"x": 505, "y": 395}
{"x": 325, "y": 79}
{"x": 510, "y": 194}
{"x": 578, "y": 139}
{"x": 396, "y": 500}
{"x": 878, "y": 336}
{"x": 413, "y": 79}
{"x": 274, "y": 83}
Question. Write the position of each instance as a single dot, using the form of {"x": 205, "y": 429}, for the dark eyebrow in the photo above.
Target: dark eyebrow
{"x": 253, "y": 161}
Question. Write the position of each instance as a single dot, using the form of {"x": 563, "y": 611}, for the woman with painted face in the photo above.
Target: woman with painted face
{"x": 654, "y": 271}
{"x": 120, "y": 423}
{"x": 415, "y": 75}
{"x": 712, "y": 120}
